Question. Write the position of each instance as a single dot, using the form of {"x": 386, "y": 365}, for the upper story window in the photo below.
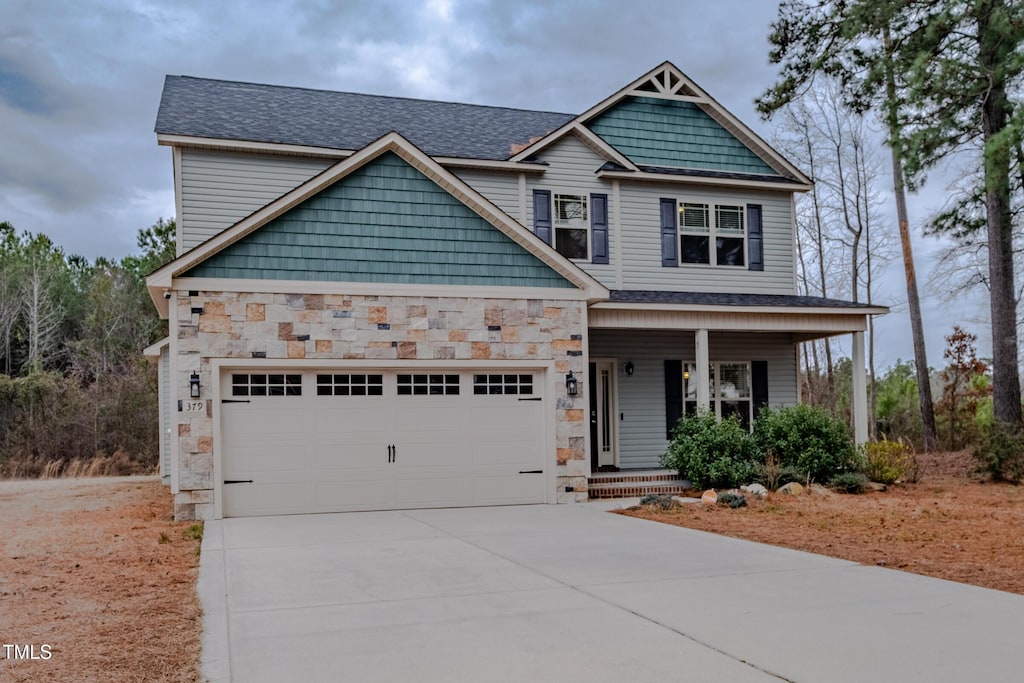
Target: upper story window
{"x": 575, "y": 224}
{"x": 572, "y": 226}
{"x": 712, "y": 234}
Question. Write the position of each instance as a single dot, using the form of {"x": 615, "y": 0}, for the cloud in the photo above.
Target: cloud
{"x": 80, "y": 82}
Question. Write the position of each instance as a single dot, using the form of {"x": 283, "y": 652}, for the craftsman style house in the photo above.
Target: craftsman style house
{"x": 390, "y": 303}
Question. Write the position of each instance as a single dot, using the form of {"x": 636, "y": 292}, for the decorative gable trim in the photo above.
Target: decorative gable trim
{"x": 666, "y": 81}
{"x": 163, "y": 278}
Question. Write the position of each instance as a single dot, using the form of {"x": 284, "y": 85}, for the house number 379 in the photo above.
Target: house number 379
{"x": 193, "y": 406}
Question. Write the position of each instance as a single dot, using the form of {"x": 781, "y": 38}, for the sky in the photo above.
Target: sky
{"x": 80, "y": 84}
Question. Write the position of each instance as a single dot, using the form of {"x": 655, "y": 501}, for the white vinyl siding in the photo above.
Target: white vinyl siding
{"x": 642, "y": 394}
{"x": 571, "y": 167}
{"x": 501, "y": 188}
{"x": 641, "y": 240}
{"x": 218, "y": 189}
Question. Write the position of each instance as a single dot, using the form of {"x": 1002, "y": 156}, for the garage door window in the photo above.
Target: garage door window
{"x": 349, "y": 385}
{"x": 520, "y": 385}
{"x": 266, "y": 385}
{"x": 428, "y": 385}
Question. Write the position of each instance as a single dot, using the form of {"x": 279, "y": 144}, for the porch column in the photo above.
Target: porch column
{"x": 703, "y": 365}
{"x": 860, "y": 391}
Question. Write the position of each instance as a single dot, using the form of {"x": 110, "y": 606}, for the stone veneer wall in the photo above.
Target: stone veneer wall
{"x": 388, "y": 328}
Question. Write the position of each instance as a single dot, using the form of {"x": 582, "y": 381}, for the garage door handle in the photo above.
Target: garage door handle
{"x": 234, "y": 400}
{"x": 238, "y": 481}
{"x": 531, "y": 471}
{"x": 538, "y": 398}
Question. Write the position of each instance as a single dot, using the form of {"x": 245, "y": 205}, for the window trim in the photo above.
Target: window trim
{"x": 712, "y": 207}
{"x": 556, "y": 225}
{"x": 716, "y": 390}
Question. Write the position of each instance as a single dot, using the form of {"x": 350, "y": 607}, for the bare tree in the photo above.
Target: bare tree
{"x": 836, "y": 218}
{"x": 43, "y": 318}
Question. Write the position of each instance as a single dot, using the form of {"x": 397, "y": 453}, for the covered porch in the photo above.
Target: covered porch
{"x": 654, "y": 356}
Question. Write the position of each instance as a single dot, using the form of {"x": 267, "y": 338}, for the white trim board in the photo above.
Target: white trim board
{"x": 179, "y": 142}
{"x": 373, "y": 289}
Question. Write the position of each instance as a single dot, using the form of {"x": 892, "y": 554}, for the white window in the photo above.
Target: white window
{"x": 572, "y": 226}
{"x": 730, "y": 389}
{"x": 712, "y": 234}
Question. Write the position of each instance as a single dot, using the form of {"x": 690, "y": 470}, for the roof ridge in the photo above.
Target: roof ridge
{"x": 361, "y": 94}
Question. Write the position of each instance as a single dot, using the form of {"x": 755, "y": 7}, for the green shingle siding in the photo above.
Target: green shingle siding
{"x": 387, "y": 223}
{"x": 677, "y": 134}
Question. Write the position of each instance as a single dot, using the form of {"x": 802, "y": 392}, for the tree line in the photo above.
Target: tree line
{"x": 942, "y": 80}
{"x": 75, "y": 391}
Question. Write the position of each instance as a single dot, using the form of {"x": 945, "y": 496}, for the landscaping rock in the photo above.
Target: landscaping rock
{"x": 709, "y": 497}
{"x": 755, "y": 490}
{"x": 875, "y": 486}
{"x": 683, "y": 500}
{"x": 792, "y": 489}
{"x": 819, "y": 490}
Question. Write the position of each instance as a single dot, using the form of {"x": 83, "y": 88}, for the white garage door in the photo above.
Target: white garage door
{"x": 340, "y": 440}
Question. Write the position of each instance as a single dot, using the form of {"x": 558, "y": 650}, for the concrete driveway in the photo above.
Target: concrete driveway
{"x": 572, "y": 593}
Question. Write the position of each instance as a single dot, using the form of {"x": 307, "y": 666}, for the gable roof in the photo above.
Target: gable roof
{"x": 231, "y": 110}
{"x": 667, "y": 82}
{"x": 386, "y": 223}
{"x": 393, "y": 142}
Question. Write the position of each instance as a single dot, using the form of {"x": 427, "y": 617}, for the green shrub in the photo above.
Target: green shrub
{"x": 888, "y": 461}
{"x": 1000, "y": 452}
{"x": 711, "y": 453}
{"x": 733, "y": 500}
{"x": 808, "y": 440}
{"x": 849, "y": 482}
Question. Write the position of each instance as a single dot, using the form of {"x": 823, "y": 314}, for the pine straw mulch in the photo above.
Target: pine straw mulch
{"x": 951, "y": 524}
{"x": 98, "y": 570}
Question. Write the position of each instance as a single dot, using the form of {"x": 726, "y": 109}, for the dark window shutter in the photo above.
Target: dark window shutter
{"x": 669, "y": 234}
{"x": 673, "y": 395}
{"x": 542, "y": 214}
{"x": 755, "y": 237}
{"x": 599, "y": 228}
{"x": 759, "y": 385}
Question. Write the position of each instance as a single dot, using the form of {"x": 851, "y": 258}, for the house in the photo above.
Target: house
{"x": 388, "y": 303}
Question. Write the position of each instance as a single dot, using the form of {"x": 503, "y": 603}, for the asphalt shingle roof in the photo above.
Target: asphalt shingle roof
{"x": 725, "y": 299}
{"x": 207, "y": 108}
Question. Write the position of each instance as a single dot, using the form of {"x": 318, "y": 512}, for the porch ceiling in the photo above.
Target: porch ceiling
{"x": 804, "y": 317}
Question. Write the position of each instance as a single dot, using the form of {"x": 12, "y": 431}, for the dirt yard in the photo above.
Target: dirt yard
{"x": 950, "y": 525}
{"x": 97, "y": 571}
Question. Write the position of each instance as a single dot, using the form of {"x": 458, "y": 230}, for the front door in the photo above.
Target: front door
{"x": 603, "y": 436}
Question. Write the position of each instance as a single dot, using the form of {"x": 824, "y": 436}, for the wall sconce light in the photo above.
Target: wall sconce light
{"x": 686, "y": 375}
{"x": 193, "y": 385}
{"x": 571, "y": 385}
{"x": 629, "y": 368}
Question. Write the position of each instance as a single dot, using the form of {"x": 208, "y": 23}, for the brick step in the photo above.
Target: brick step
{"x": 633, "y": 477}
{"x": 631, "y": 489}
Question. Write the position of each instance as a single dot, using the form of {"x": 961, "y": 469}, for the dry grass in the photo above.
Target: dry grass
{"x": 118, "y": 464}
{"x": 98, "y": 570}
{"x": 950, "y": 525}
